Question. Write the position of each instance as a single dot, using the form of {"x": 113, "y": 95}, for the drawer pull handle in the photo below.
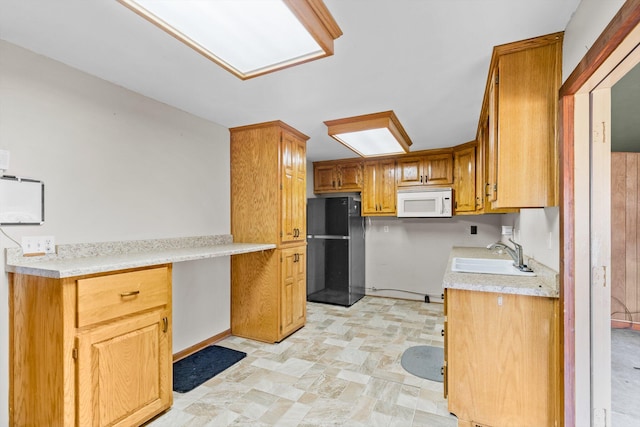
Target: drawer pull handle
{"x": 129, "y": 294}
{"x": 165, "y": 324}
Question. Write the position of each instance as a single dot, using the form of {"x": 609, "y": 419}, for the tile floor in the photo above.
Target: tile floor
{"x": 342, "y": 369}
{"x": 625, "y": 377}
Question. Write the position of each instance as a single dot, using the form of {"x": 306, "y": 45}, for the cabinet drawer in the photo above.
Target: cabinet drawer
{"x": 111, "y": 296}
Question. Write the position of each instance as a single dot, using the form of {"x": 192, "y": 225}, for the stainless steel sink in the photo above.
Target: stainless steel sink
{"x": 487, "y": 266}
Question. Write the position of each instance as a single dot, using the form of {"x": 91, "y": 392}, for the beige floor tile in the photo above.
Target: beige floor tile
{"x": 342, "y": 369}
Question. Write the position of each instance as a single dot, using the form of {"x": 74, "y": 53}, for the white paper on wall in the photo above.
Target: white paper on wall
{"x": 21, "y": 201}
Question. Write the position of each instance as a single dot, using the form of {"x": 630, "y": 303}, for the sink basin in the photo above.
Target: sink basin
{"x": 487, "y": 266}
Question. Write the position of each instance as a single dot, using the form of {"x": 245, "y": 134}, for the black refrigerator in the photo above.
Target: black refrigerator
{"x": 335, "y": 250}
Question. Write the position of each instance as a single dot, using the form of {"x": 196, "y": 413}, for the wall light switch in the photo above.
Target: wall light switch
{"x": 507, "y": 230}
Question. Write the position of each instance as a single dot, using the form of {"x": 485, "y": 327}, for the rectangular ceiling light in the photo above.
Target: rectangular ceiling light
{"x": 371, "y": 135}
{"x": 246, "y": 37}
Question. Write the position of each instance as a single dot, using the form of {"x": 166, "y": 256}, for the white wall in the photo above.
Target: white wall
{"x": 411, "y": 254}
{"x": 585, "y": 26}
{"x": 538, "y": 231}
{"x": 116, "y": 166}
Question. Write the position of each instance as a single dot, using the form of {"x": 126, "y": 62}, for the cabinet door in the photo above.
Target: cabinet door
{"x": 350, "y": 176}
{"x": 369, "y": 199}
{"x": 465, "y": 179}
{"x": 503, "y": 358}
{"x": 387, "y": 188}
{"x": 293, "y": 290}
{"x": 527, "y": 94}
{"x": 438, "y": 169}
{"x": 325, "y": 178}
{"x": 293, "y": 189}
{"x": 492, "y": 142}
{"x": 410, "y": 171}
{"x": 379, "y": 188}
{"x": 300, "y": 191}
{"x": 124, "y": 371}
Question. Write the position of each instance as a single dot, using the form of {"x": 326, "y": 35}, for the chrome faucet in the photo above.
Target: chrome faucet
{"x": 516, "y": 255}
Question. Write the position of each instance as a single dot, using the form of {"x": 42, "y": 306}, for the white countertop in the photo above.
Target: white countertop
{"x": 544, "y": 284}
{"x": 83, "y": 259}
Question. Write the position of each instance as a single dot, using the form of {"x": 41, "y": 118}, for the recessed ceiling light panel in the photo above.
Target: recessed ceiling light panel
{"x": 371, "y": 135}
{"x": 247, "y": 37}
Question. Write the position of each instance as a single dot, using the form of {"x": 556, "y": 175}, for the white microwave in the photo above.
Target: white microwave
{"x": 432, "y": 203}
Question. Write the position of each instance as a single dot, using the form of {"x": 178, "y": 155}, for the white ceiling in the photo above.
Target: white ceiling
{"x": 427, "y": 60}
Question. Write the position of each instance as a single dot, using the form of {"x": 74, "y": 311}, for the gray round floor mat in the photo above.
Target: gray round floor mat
{"x": 424, "y": 361}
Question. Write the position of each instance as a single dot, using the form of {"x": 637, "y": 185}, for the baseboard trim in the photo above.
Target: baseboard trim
{"x": 199, "y": 346}
{"x": 623, "y": 324}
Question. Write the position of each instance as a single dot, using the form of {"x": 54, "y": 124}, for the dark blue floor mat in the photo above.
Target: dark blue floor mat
{"x": 197, "y": 368}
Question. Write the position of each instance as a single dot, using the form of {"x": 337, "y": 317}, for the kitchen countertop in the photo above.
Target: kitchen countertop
{"x": 90, "y": 258}
{"x": 544, "y": 284}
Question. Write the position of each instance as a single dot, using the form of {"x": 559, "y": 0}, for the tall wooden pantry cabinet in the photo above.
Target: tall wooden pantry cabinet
{"x": 268, "y": 205}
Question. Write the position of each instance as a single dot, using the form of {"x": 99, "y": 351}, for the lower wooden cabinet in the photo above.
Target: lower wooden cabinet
{"x": 269, "y": 293}
{"x": 502, "y": 359}
{"x": 90, "y": 351}
{"x": 123, "y": 371}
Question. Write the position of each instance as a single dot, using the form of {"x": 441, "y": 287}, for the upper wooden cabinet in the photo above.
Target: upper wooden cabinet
{"x": 432, "y": 169}
{"x": 520, "y": 109}
{"x": 294, "y": 189}
{"x": 483, "y": 202}
{"x": 337, "y": 176}
{"x": 464, "y": 177}
{"x": 379, "y": 190}
{"x": 268, "y": 184}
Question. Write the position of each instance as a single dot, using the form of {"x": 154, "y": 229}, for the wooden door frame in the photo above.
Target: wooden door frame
{"x": 622, "y": 24}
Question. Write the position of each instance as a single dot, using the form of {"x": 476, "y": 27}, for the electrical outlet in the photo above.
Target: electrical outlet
{"x": 48, "y": 244}
{"x": 38, "y": 245}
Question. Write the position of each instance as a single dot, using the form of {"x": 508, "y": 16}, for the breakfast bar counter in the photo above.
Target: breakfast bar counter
{"x": 97, "y": 317}
{"x": 82, "y": 259}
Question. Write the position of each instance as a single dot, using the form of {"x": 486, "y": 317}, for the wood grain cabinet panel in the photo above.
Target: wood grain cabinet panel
{"x": 625, "y": 239}
{"x": 503, "y": 359}
{"x": 107, "y": 367}
{"x": 483, "y": 188}
{"x": 293, "y": 295}
{"x": 337, "y": 176}
{"x": 464, "y": 168}
{"x": 123, "y": 372}
{"x": 268, "y": 184}
{"x": 268, "y": 302}
{"x": 521, "y": 108}
{"x": 379, "y": 190}
{"x": 432, "y": 169}
{"x": 268, "y": 293}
